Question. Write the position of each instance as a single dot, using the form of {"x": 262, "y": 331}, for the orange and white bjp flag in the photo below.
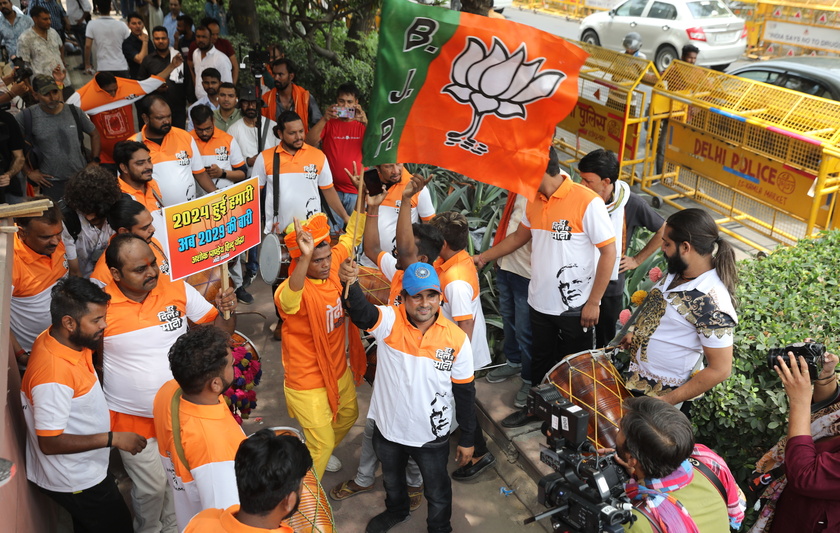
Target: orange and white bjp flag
{"x": 477, "y": 95}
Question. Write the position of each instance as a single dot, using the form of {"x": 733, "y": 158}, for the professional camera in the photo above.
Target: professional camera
{"x": 256, "y": 59}
{"x": 22, "y": 72}
{"x": 585, "y": 493}
{"x": 811, "y": 351}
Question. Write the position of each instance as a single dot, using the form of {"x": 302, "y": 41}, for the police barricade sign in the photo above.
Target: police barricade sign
{"x": 611, "y": 108}
{"x": 213, "y": 229}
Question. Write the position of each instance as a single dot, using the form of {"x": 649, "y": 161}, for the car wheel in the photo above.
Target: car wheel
{"x": 664, "y": 56}
{"x": 590, "y": 37}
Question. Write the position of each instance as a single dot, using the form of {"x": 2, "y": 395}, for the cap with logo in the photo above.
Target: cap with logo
{"x": 420, "y": 277}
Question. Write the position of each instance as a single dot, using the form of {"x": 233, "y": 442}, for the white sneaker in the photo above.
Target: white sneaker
{"x": 333, "y": 465}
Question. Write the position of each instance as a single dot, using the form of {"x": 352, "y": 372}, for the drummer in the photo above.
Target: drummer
{"x": 130, "y": 216}
{"x": 318, "y": 384}
{"x": 202, "y": 365}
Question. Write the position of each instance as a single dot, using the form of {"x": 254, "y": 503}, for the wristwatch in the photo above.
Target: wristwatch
{"x": 96, "y": 160}
{"x": 224, "y": 174}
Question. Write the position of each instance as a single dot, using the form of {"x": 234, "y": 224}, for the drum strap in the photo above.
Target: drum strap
{"x": 175, "y": 408}
{"x": 275, "y": 181}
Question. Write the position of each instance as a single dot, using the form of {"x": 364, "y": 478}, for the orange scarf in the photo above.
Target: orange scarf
{"x": 300, "y": 102}
{"x": 358, "y": 360}
{"x": 501, "y": 229}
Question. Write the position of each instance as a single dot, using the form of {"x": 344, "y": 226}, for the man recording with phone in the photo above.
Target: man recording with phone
{"x": 339, "y": 135}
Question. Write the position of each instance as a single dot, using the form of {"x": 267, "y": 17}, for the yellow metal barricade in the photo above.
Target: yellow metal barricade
{"x": 791, "y": 27}
{"x": 762, "y": 156}
{"x": 571, "y": 9}
{"x": 611, "y": 109}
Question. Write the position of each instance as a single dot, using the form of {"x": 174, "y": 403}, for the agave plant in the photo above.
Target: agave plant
{"x": 482, "y": 204}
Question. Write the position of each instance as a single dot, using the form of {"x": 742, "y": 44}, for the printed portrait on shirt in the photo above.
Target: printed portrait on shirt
{"x": 439, "y": 417}
{"x": 572, "y": 282}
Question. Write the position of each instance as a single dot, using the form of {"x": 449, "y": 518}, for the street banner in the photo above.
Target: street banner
{"x": 480, "y": 96}
{"x": 213, "y": 229}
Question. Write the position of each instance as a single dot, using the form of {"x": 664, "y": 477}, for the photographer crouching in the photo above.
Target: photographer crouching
{"x": 801, "y": 474}
{"x": 676, "y": 485}
{"x": 673, "y": 484}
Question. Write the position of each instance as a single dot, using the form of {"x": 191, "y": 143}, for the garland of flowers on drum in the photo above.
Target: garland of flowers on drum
{"x": 247, "y": 372}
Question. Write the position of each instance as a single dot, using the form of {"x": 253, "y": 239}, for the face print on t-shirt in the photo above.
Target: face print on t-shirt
{"x": 572, "y": 282}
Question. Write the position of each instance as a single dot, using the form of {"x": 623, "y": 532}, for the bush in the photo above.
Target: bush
{"x": 784, "y": 298}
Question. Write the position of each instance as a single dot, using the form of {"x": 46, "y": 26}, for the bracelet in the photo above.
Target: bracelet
{"x": 19, "y": 353}
{"x": 826, "y": 379}
{"x": 110, "y": 439}
{"x": 371, "y": 216}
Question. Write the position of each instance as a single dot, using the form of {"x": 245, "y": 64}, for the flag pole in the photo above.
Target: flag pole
{"x": 359, "y": 201}
{"x": 225, "y": 285}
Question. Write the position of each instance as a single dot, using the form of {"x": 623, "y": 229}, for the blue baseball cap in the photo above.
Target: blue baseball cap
{"x": 420, "y": 277}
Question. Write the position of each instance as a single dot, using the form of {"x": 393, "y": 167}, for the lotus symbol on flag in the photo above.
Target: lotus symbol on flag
{"x": 496, "y": 83}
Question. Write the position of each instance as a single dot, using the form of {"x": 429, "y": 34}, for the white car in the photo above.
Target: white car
{"x": 668, "y": 25}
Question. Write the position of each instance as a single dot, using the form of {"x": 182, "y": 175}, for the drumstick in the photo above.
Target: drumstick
{"x": 359, "y": 199}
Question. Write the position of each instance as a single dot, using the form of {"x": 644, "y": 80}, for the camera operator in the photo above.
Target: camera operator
{"x": 806, "y": 497}
{"x": 669, "y": 493}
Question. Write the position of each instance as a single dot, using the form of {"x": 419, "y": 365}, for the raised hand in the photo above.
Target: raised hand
{"x": 305, "y": 242}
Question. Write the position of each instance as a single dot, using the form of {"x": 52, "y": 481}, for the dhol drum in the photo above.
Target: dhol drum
{"x": 274, "y": 259}
{"x": 208, "y": 282}
{"x": 314, "y": 514}
{"x": 238, "y": 339}
{"x": 589, "y": 380}
{"x": 375, "y": 285}
{"x": 377, "y": 290}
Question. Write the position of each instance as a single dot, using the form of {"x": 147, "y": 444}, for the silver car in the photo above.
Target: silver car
{"x": 666, "y": 26}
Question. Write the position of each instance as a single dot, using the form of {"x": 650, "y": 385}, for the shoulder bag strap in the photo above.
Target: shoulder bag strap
{"x": 175, "y": 408}
{"x": 646, "y": 513}
{"x": 275, "y": 171}
{"x": 75, "y": 111}
{"x": 710, "y": 475}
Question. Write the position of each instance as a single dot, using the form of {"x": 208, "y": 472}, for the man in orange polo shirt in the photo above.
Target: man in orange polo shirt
{"x": 199, "y": 469}
{"x": 148, "y": 313}
{"x": 462, "y": 305}
{"x": 219, "y": 152}
{"x": 413, "y": 417}
{"x": 269, "y": 473}
{"x": 39, "y": 262}
{"x": 134, "y": 162}
{"x": 572, "y": 259}
{"x": 177, "y": 162}
{"x": 68, "y": 428}
{"x": 303, "y": 175}
{"x": 318, "y": 384}
{"x": 289, "y": 96}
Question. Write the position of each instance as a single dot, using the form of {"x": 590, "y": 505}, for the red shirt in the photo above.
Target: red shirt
{"x": 341, "y": 142}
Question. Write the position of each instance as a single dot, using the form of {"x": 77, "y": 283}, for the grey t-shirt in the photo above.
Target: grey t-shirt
{"x": 58, "y": 140}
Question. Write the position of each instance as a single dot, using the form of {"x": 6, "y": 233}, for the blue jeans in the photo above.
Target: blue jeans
{"x": 348, "y": 200}
{"x": 516, "y": 319}
{"x": 437, "y": 488}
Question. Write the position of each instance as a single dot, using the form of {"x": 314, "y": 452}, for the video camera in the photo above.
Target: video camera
{"x": 811, "y": 351}
{"x": 585, "y": 492}
{"x": 256, "y": 59}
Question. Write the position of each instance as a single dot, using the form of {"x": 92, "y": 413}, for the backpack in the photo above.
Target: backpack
{"x": 31, "y": 151}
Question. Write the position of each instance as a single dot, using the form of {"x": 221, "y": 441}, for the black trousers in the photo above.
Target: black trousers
{"x": 554, "y": 338}
{"x": 99, "y": 509}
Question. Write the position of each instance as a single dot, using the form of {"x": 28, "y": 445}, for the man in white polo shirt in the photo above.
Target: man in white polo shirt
{"x": 68, "y": 427}
{"x": 176, "y": 159}
{"x": 147, "y": 314}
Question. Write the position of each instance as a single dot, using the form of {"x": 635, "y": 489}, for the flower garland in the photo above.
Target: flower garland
{"x": 247, "y": 372}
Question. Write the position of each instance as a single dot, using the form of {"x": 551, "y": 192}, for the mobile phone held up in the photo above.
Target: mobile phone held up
{"x": 345, "y": 112}
{"x": 372, "y": 182}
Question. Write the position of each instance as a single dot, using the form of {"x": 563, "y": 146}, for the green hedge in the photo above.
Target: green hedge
{"x": 783, "y": 298}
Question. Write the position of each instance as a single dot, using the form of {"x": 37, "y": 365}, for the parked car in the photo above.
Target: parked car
{"x": 817, "y": 76}
{"x": 667, "y": 25}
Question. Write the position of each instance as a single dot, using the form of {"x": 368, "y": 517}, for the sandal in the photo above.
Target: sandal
{"x": 344, "y": 490}
{"x": 415, "y": 497}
